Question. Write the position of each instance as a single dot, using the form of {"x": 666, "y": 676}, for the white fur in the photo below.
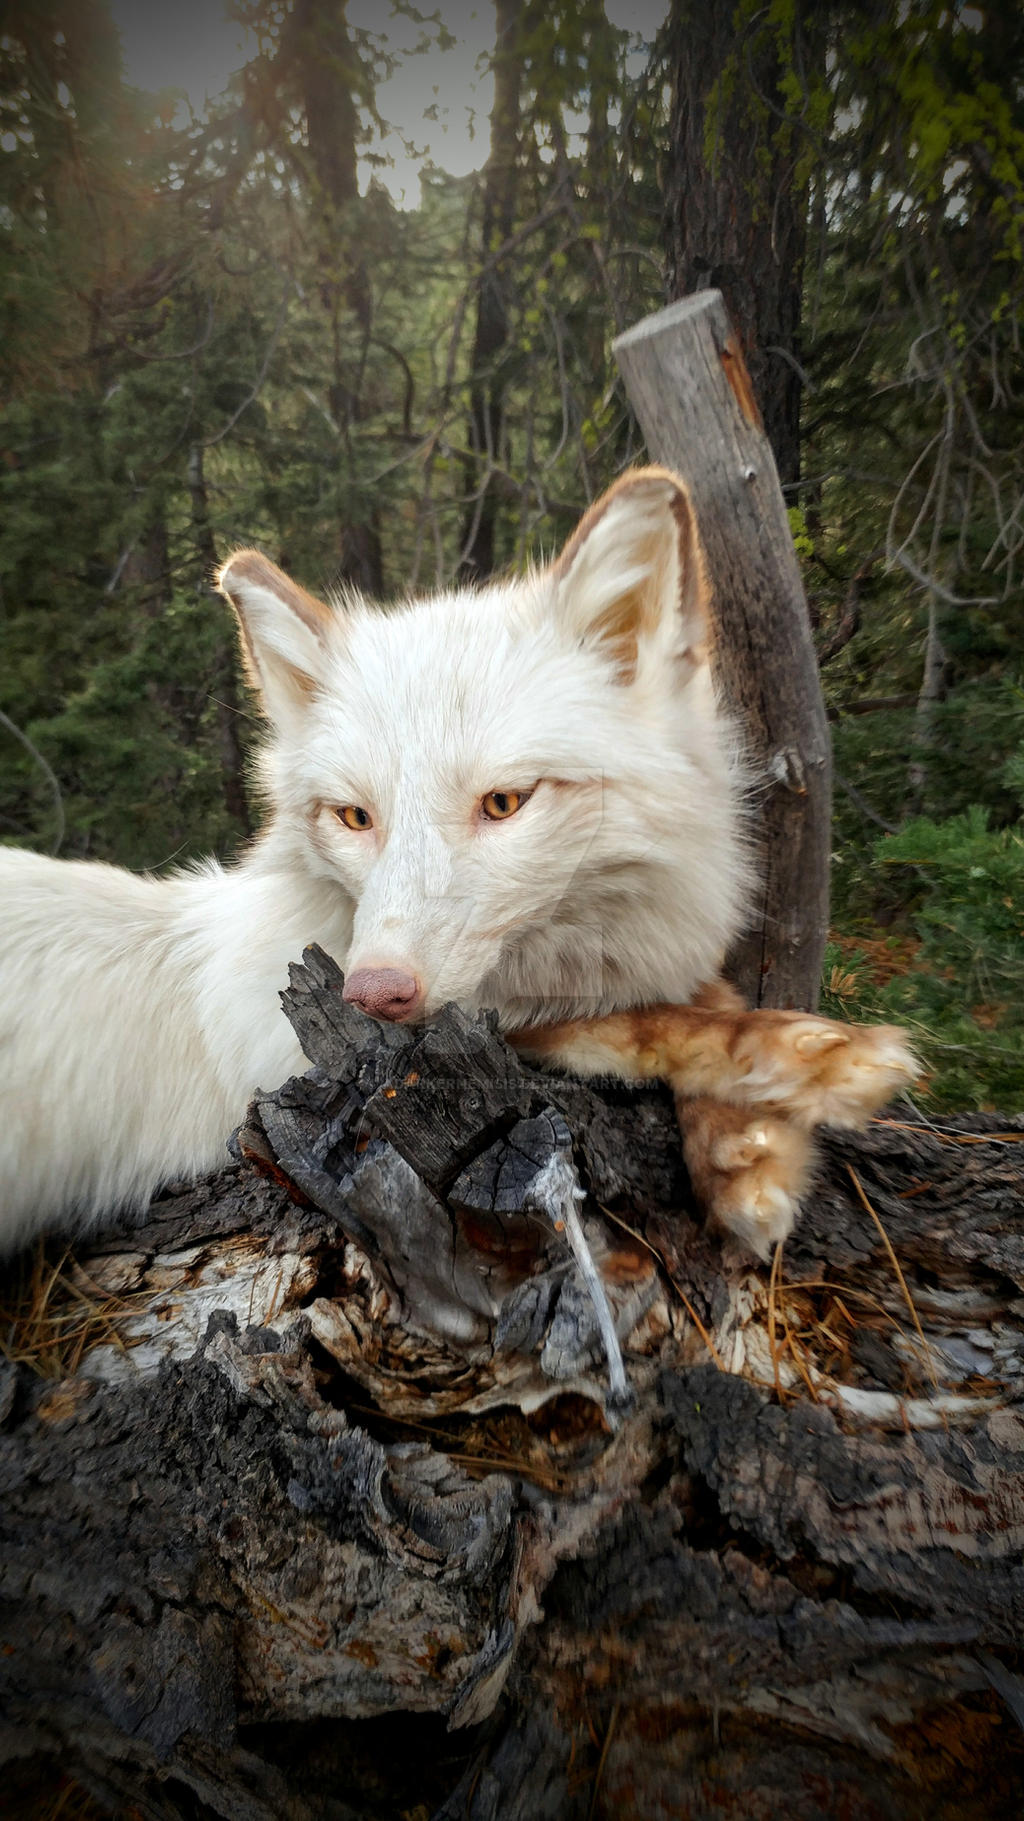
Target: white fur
{"x": 138, "y": 1014}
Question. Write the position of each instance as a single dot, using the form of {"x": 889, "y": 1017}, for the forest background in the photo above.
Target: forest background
{"x": 218, "y": 327}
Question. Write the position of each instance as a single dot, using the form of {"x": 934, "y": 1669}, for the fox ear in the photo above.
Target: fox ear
{"x": 283, "y": 631}
{"x": 633, "y": 574}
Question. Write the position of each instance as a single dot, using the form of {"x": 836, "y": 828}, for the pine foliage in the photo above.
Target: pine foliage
{"x": 221, "y": 329}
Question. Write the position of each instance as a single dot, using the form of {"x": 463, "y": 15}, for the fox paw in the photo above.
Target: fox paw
{"x": 821, "y": 1073}
{"x": 748, "y": 1171}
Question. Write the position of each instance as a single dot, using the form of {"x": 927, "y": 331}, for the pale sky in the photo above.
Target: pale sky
{"x": 191, "y": 46}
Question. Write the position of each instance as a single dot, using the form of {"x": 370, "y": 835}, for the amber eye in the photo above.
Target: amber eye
{"x": 354, "y": 817}
{"x": 498, "y": 805}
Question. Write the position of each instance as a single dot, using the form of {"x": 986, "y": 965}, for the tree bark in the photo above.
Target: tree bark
{"x": 328, "y": 70}
{"x": 736, "y": 188}
{"x": 224, "y": 681}
{"x": 688, "y": 384}
{"x": 347, "y": 1522}
{"x": 486, "y": 395}
{"x": 146, "y": 572}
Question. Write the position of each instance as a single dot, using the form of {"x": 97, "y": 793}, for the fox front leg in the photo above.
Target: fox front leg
{"x": 749, "y": 1086}
{"x": 749, "y": 1169}
{"x": 810, "y": 1070}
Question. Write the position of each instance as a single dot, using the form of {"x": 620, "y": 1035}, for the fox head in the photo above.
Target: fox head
{"x": 526, "y": 790}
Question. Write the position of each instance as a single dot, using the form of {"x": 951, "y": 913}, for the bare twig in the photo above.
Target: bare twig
{"x": 49, "y": 774}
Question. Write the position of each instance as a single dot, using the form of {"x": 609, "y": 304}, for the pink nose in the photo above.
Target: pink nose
{"x": 384, "y": 992}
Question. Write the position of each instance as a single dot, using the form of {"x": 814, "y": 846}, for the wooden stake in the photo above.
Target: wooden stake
{"x": 688, "y": 384}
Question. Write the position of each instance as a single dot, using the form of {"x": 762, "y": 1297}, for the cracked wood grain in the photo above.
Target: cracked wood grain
{"x": 345, "y": 1528}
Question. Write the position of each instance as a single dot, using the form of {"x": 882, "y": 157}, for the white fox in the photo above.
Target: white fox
{"x": 523, "y": 796}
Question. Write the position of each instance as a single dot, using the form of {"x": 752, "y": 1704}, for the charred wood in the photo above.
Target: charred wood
{"x": 345, "y": 1521}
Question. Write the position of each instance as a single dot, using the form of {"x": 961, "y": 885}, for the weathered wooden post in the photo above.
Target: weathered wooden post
{"x": 688, "y": 384}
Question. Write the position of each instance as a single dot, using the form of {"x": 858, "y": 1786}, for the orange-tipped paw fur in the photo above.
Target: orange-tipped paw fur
{"x": 819, "y": 1073}
{"x": 749, "y": 1087}
{"x": 749, "y": 1169}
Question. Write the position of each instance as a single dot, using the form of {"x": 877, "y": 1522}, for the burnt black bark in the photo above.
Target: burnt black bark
{"x": 352, "y": 1526}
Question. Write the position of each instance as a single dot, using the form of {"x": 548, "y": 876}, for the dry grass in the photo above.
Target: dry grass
{"x": 895, "y": 1263}
{"x": 39, "y": 1791}
{"x": 52, "y": 1314}
{"x": 602, "y": 1761}
{"x": 502, "y": 1441}
{"x": 812, "y": 1321}
{"x": 795, "y": 1330}
{"x": 945, "y": 1137}
{"x": 819, "y": 1319}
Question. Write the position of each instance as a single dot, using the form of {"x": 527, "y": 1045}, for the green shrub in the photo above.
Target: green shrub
{"x": 959, "y": 984}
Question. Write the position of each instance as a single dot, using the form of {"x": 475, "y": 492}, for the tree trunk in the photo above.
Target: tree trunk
{"x": 224, "y": 682}
{"x": 337, "y": 1516}
{"x": 688, "y": 384}
{"x": 145, "y": 575}
{"x": 486, "y": 396}
{"x": 329, "y": 72}
{"x": 736, "y": 187}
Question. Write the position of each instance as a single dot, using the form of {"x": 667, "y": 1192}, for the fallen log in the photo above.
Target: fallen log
{"x": 342, "y": 1513}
